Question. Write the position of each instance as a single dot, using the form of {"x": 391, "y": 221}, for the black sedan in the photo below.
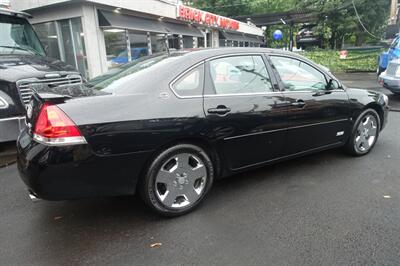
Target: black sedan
{"x": 168, "y": 125}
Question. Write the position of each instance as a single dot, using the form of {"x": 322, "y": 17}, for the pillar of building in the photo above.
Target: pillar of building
{"x": 94, "y": 41}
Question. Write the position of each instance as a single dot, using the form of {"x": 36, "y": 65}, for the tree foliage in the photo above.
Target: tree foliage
{"x": 336, "y": 21}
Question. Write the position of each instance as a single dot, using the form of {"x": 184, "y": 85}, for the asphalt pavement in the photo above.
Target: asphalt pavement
{"x": 323, "y": 209}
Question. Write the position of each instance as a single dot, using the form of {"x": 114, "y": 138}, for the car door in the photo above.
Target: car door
{"x": 247, "y": 116}
{"x": 318, "y": 113}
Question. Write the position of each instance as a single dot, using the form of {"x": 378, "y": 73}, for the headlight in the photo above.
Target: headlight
{"x": 3, "y": 103}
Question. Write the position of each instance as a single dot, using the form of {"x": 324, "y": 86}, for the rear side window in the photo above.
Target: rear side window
{"x": 190, "y": 84}
{"x": 239, "y": 75}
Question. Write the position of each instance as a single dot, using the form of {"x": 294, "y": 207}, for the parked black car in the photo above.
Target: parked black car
{"x": 23, "y": 62}
{"x": 307, "y": 37}
{"x": 168, "y": 125}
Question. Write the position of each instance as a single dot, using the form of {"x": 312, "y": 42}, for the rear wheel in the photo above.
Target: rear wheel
{"x": 365, "y": 133}
{"x": 178, "y": 180}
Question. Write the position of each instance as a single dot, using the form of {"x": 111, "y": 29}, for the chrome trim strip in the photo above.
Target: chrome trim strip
{"x": 19, "y": 118}
{"x": 68, "y": 141}
{"x": 171, "y": 84}
{"x": 286, "y": 128}
{"x": 234, "y": 54}
{"x": 311, "y": 91}
{"x": 5, "y": 103}
{"x": 242, "y": 94}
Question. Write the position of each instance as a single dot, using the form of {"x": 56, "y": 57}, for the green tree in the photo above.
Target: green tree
{"x": 340, "y": 18}
{"x": 233, "y": 8}
{"x": 336, "y": 19}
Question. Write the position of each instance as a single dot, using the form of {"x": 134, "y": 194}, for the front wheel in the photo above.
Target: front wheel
{"x": 177, "y": 180}
{"x": 365, "y": 133}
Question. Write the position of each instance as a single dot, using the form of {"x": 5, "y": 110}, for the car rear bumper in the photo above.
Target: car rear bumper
{"x": 390, "y": 83}
{"x": 73, "y": 172}
{"x": 11, "y": 127}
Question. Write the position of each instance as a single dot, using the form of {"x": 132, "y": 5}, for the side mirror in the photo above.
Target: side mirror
{"x": 333, "y": 85}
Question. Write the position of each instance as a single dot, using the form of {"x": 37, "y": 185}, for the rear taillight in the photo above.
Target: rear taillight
{"x": 54, "y": 127}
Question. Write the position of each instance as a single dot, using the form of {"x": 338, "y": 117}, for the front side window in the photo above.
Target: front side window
{"x": 297, "y": 75}
{"x": 239, "y": 75}
{"x": 191, "y": 84}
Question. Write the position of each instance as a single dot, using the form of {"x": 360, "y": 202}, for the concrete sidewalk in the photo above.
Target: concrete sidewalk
{"x": 369, "y": 81}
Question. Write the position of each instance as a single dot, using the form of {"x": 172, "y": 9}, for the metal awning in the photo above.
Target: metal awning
{"x": 182, "y": 29}
{"x": 110, "y": 19}
{"x": 253, "y": 38}
{"x": 233, "y": 36}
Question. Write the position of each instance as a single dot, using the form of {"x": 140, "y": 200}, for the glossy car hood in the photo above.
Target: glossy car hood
{"x": 16, "y": 67}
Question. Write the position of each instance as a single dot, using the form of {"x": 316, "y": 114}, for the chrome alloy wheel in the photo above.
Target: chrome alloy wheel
{"x": 366, "y": 134}
{"x": 181, "y": 181}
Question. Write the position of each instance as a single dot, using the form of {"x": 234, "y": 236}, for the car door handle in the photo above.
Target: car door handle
{"x": 299, "y": 103}
{"x": 220, "y": 110}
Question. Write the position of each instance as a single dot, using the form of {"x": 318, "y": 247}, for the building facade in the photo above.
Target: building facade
{"x": 97, "y": 35}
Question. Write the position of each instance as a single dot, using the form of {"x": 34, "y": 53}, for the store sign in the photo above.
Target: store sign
{"x": 206, "y": 18}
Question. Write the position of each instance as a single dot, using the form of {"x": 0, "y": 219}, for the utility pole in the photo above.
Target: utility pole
{"x": 393, "y": 12}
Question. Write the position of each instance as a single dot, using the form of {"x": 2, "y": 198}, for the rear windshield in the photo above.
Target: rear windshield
{"x": 117, "y": 78}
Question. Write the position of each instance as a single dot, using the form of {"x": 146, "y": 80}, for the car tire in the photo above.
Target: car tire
{"x": 177, "y": 180}
{"x": 364, "y": 134}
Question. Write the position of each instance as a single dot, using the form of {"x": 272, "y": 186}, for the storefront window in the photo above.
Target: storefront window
{"x": 115, "y": 40}
{"x": 138, "y": 42}
{"x": 79, "y": 45}
{"x": 64, "y": 40}
{"x": 157, "y": 43}
{"x": 187, "y": 42}
{"x": 173, "y": 42}
{"x": 229, "y": 43}
{"x": 222, "y": 40}
{"x": 235, "y": 44}
{"x": 209, "y": 39}
{"x": 47, "y": 33}
{"x": 200, "y": 42}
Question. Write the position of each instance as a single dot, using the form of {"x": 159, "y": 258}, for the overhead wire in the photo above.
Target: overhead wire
{"x": 361, "y": 23}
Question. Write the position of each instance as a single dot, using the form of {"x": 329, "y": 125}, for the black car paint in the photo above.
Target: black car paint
{"x": 125, "y": 131}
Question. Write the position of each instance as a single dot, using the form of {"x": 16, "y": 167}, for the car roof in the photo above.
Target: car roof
{"x": 191, "y": 56}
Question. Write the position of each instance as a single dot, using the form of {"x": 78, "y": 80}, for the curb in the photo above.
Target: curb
{"x": 7, "y": 160}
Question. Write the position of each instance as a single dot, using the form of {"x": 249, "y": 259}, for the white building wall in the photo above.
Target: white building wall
{"x": 94, "y": 41}
{"x": 161, "y": 8}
